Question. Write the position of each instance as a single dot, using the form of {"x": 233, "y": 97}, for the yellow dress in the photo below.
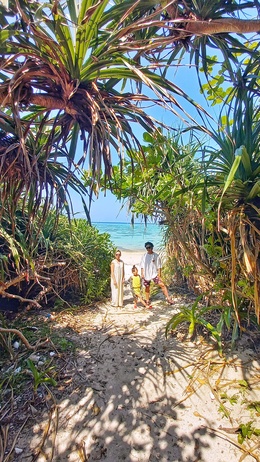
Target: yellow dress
{"x": 136, "y": 285}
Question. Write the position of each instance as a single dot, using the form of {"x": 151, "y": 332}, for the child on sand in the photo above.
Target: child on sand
{"x": 136, "y": 286}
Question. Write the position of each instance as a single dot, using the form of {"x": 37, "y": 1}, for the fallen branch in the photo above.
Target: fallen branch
{"x": 18, "y": 297}
{"x": 22, "y": 338}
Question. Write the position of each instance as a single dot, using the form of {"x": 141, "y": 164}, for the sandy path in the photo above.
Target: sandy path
{"x": 139, "y": 397}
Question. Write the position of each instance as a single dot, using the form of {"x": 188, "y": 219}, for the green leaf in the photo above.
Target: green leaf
{"x": 232, "y": 173}
{"x": 229, "y": 179}
{"x": 255, "y": 191}
{"x": 148, "y": 138}
{"x": 245, "y": 159}
{"x": 13, "y": 245}
{"x": 243, "y": 383}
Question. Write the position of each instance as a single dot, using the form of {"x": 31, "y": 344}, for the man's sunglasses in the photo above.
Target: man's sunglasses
{"x": 148, "y": 247}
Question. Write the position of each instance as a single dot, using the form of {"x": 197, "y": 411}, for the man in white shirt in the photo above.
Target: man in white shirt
{"x": 151, "y": 268}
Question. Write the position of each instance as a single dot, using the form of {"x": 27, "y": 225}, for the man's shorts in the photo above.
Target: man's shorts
{"x": 156, "y": 280}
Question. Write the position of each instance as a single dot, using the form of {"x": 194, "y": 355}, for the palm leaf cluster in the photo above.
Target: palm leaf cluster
{"x": 28, "y": 178}
{"x": 65, "y": 63}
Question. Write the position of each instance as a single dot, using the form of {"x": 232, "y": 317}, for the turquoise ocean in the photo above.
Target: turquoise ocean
{"x": 127, "y": 237}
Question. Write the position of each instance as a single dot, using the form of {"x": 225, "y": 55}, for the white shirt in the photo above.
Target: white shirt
{"x": 150, "y": 263}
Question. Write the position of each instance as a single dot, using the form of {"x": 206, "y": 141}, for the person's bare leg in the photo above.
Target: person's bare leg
{"x": 143, "y": 302}
{"x": 165, "y": 291}
{"x": 147, "y": 294}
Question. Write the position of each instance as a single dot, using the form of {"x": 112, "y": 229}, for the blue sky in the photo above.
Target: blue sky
{"x": 106, "y": 208}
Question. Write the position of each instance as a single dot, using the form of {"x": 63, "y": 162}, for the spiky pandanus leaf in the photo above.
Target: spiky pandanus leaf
{"x": 236, "y": 165}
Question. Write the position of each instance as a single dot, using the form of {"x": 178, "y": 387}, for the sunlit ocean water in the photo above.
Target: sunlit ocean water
{"x": 132, "y": 238}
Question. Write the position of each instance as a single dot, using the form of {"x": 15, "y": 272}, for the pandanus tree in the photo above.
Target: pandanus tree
{"x": 235, "y": 164}
{"x": 66, "y": 62}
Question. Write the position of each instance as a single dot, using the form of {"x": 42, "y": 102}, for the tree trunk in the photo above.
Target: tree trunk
{"x": 219, "y": 26}
{"x": 40, "y": 99}
{"x": 47, "y": 101}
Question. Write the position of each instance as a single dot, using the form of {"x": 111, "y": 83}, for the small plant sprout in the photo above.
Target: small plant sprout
{"x": 40, "y": 377}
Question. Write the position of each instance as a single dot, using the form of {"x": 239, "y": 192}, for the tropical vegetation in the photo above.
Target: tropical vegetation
{"x": 68, "y": 263}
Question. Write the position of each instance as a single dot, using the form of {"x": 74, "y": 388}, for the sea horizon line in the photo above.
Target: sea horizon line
{"x": 126, "y": 223}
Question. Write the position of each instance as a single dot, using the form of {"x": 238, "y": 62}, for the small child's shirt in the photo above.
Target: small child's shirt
{"x": 136, "y": 284}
